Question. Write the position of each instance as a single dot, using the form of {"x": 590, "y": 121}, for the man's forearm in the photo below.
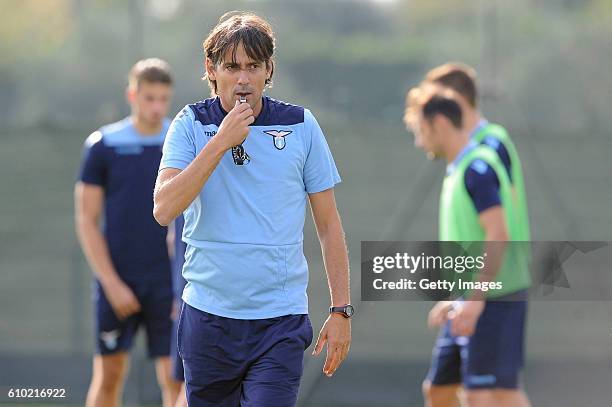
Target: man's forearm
{"x": 96, "y": 252}
{"x": 335, "y": 258}
{"x": 173, "y": 196}
{"x": 495, "y": 251}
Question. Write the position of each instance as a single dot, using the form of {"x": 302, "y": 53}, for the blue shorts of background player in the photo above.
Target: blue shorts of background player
{"x": 115, "y": 335}
{"x": 492, "y": 357}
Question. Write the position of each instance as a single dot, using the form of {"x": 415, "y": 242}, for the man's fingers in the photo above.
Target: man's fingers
{"x": 455, "y": 326}
{"x": 342, "y": 353}
{"x": 121, "y": 312}
{"x": 339, "y": 353}
{"x": 434, "y": 320}
{"x": 128, "y": 308}
{"x": 330, "y": 360}
{"x": 439, "y": 315}
{"x": 334, "y": 357}
{"x": 126, "y": 312}
{"x": 460, "y": 327}
{"x": 249, "y": 120}
{"x": 321, "y": 339}
{"x": 345, "y": 351}
{"x": 246, "y": 115}
{"x": 134, "y": 310}
{"x": 244, "y": 110}
{"x": 240, "y": 108}
{"x": 467, "y": 329}
{"x": 438, "y": 320}
{"x": 461, "y": 331}
{"x": 237, "y": 105}
{"x": 136, "y": 307}
{"x": 338, "y": 343}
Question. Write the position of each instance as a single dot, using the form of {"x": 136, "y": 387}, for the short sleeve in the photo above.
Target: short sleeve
{"x": 320, "y": 172}
{"x": 179, "y": 144}
{"x": 94, "y": 164}
{"x": 482, "y": 185}
{"x": 502, "y": 153}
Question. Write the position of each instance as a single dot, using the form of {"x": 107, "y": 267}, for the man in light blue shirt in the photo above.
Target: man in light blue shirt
{"x": 241, "y": 166}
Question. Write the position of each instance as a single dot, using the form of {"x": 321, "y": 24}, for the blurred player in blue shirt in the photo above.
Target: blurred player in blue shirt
{"x": 124, "y": 246}
{"x": 242, "y": 167}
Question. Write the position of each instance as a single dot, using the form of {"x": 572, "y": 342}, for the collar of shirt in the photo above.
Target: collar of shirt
{"x": 468, "y": 147}
{"x": 482, "y": 123}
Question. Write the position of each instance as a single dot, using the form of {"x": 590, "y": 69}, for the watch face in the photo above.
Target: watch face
{"x": 349, "y": 310}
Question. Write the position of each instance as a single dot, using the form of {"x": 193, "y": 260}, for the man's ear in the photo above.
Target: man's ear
{"x": 441, "y": 123}
{"x": 269, "y": 70}
{"x": 210, "y": 69}
{"x": 130, "y": 94}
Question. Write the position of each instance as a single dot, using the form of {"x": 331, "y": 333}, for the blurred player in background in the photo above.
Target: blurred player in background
{"x": 177, "y": 247}
{"x": 480, "y": 345}
{"x": 461, "y": 78}
{"x": 242, "y": 167}
{"x": 127, "y": 251}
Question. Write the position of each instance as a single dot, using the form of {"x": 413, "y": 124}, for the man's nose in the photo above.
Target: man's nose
{"x": 159, "y": 107}
{"x": 243, "y": 77}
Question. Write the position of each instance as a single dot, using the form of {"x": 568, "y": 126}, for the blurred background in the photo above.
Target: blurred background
{"x": 544, "y": 73}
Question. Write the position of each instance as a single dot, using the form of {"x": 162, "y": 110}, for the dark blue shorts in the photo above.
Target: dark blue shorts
{"x": 177, "y": 363}
{"x": 113, "y": 335}
{"x": 491, "y": 358}
{"x": 233, "y": 362}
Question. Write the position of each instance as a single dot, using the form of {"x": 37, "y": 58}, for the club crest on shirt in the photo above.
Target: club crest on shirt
{"x": 278, "y": 137}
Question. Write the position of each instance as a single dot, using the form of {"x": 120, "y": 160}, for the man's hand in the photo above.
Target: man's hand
{"x": 234, "y": 128}
{"x": 439, "y": 314}
{"x": 122, "y": 299}
{"x": 176, "y": 310}
{"x": 464, "y": 317}
{"x": 336, "y": 332}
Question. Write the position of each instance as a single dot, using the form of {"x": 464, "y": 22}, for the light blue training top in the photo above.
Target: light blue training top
{"x": 244, "y": 230}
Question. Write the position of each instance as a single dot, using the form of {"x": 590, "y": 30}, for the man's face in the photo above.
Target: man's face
{"x": 150, "y": 101}
{"x": 428, "y": 137}
{"x": 413, "y": 127}
{"x": 240, "y": 77}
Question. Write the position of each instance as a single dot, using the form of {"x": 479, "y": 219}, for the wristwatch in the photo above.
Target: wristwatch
{"x": 347, "y": 310}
